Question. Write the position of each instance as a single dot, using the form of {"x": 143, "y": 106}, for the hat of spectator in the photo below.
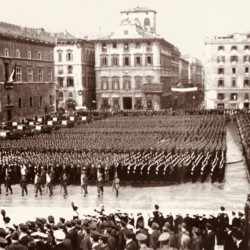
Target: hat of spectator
{"x": 55, "y": 227}
{"x": 15, "y": 235}
{"x": 164, "y": 237}
{"x": 23, "y": 227}
{"x": 2, "y": 232}
{"x": 62, "y": 220}
{"x": 128, "y": 233}
{"x": 68, "y": 224}
{"x": 155, "y": 225}
{"x": 51, "y": 219}
{"x": 141, "y": 237}
{"x": 60, "y": 225}
{"x": 3, "y": 241}
{"x": 59, "y": 235}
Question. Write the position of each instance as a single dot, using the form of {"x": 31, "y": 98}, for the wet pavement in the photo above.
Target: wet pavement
{"x": 183, "y": 198}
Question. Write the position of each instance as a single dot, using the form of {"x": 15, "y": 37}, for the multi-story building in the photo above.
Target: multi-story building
{"x": 195, "y": 67}
{"x": 74, "y": 72}
{"x": 134, "y": 66}
{"x": 183, "y": 71}
{"x": 227, "y": 83}
{"x": 26, "y": 72}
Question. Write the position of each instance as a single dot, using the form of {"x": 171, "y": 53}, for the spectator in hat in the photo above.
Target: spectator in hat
{"x": 3, "y": 243}
{"x": 164, "y": 241}
{"x": 15, "y": 245}
{"x": 154, "y": 236}
{"x": 111, "y": 240}
{"x": 59, "y": 238}
{"x": 241, "y": 243}
{"x": 24, "y": 238}
{"x": 103, "y": 242}
{"x": 86, "y": 243}
{"x": 142, "y": 241}
{"x": 209, "y": 240}
{"x": 185, "y": 239}
{"x": 95, "y": 240}
{"x": 130, "y": 243}
{"x": 196, "y": 242}
{"x": 229, "y": 243}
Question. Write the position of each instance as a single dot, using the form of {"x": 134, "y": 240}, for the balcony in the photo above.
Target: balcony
{"x": 152, "y": 88}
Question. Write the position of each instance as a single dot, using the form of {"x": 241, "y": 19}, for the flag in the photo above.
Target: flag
{"x": 13, "y": 75}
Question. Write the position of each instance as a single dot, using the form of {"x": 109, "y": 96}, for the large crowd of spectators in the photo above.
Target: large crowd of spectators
{"x": 122, "y": 231}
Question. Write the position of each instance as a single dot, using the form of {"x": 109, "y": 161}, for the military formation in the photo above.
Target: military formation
{"x": 102, "y": 230}
{"x": 162, "y": 148}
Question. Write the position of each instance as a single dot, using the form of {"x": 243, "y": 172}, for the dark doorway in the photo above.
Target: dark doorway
{"x": 9, "y": 115}
{"x": 127, "y": 102}
{"x": 246, "y": 105}
{"x": 149, "y": 104}
{"x": 46, "y": 110}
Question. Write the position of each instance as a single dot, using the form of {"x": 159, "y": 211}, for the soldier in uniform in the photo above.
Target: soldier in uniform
{"x": 100, "y": 183}
{"x": 23, "y": 181}
{"x": 64, "y": 184}
{"x": 116, "y": 184}
{"x": 38, "y": 183}
{"x": 8, "y": 182}
{"x": 84, "y": 183}
{"x": 49, "y": 182}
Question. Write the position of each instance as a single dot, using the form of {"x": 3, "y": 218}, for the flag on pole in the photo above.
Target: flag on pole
{"x": 12, "y": 75}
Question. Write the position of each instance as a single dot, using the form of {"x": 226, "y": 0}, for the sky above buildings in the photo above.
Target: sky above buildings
{"x": 184, "y": 23}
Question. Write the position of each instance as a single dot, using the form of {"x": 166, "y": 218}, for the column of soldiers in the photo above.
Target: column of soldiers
{"x": 138, "y": 149}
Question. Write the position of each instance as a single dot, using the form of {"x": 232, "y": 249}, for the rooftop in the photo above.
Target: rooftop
{"x": 33, "y": 34}
{"x": 138, "y": 9}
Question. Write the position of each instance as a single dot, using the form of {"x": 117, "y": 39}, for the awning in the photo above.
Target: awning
{"x": 192, "y": 89}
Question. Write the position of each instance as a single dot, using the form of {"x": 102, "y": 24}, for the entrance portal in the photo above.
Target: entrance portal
{"x": 127, "y": 102}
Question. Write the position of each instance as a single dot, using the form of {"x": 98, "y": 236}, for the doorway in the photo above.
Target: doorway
{"x": 127, "y": 102}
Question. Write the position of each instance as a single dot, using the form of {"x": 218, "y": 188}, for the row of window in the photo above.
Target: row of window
{"x": 29, "y": 55}
{"x": 125, "y": 84}
{"x": 69, "y": 69}
{"x": 126, "y": 46}
{"x": 127, "y": 61}
{"x": 221, "y": 59}
{"x": 221, "y": 71}
{"x": 246, "y": 83}
{"x": 232, "y": 96}
{"x": 69, "y": 55}
{"x": 233, "y": 47}
{"x": 70, "y": 82}
{"x": 30, "y": 74}
{"x": 31, "y": 101}
{"x": 61, "y": 95}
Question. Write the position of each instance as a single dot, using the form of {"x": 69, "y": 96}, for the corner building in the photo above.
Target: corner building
{"x": 26, "y": 72}
{"x": 134, "y": 66}
{"x": 227, "y": 83}
{"x": 74, "y": 72}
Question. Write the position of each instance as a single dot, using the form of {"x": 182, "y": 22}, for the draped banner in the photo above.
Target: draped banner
{"x": 184, "y": 89}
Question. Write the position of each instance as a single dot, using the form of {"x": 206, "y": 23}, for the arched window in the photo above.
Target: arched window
{"x": 147, "y": 22}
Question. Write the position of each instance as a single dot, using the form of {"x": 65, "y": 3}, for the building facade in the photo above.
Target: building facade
{"x": 134, "y": 66}
{"x": 74, "y": 72}
{"x": 227, "y": 83}
{"x": 26, "y": 72}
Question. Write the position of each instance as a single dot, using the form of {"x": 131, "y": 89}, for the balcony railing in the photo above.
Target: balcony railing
{"x": 152, "y": 88}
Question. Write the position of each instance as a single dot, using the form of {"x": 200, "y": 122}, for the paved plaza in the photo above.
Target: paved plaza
{"x": 182, "y": 198}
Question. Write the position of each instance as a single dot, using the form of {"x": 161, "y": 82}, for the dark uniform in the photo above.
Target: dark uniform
{"x": 64, "y": 184}
{"x": 84, "y": 183}
{"x": 38, "y": 184}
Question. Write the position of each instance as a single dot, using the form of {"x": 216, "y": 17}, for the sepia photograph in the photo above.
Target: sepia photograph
{"x": 124, "y": 125}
